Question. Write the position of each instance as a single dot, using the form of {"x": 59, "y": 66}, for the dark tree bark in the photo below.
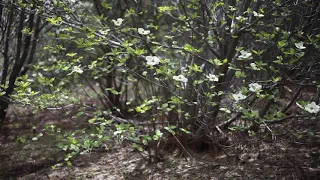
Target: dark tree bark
{"x": 17, "y": 48}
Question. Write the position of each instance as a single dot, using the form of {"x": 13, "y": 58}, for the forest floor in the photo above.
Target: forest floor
{"x": 293, "y": 152}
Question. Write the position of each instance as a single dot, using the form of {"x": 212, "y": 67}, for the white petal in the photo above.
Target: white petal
{"x": 180, "y": 78}
{"x": 149, "y": 58}
{"x": 254, "y": 87}
{"x": 300, "y": 45}
{"x": 312, "y": 108}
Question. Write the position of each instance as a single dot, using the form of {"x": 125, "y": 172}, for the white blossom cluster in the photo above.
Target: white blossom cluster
{"x": 180, "y": 78}
{"x": 152, "y": 60}
{"x": 117, "y": 22}
{"x": 253, "y": 87}
{"x": 143, "y": 31}
{"x": 310, "y": 107}
{"x": 212, "y": 77}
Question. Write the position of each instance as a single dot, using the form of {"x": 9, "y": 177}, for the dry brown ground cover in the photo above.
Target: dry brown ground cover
{"x": 293, "y": 153}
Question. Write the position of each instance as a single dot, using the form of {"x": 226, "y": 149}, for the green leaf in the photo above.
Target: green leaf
{"x": 71, "y": 54}
{"x": 195, "y": 68}
{"x": 188, "y": 132}
{"x": 113, "y": 91}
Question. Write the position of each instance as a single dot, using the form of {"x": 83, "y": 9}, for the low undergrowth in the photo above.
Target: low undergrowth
{"x": 285, "y": 154}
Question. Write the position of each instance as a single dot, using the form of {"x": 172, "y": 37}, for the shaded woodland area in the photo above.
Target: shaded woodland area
{"x": 149, "y": 89}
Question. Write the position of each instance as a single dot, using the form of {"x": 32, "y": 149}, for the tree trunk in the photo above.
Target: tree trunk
{"x": 3, "y": 111}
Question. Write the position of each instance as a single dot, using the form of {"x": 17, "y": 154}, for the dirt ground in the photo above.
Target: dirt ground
{"x": 291, "y": 153}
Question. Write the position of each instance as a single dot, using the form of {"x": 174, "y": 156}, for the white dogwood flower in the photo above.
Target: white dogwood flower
{"x": 117, "y": 22}
{"x": 152, "y": 60}
{"x": 143, "y": 31}
{"x": 225, "y": 110}
{"x": 245, "y": 55}
{"x": 239, "y": 96}
{"x": 255, "y": 87}
{"x": 212, "y": 77}
{"x": 254, "y": 66}
{"x": 312, "y": 107}
{"x": 256, "y": 14}
{"x": 104, "y": 32}
{"x": 299, "y": 45}
{"x": 77, "y": 69}
{"x": 180, "y": 78}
